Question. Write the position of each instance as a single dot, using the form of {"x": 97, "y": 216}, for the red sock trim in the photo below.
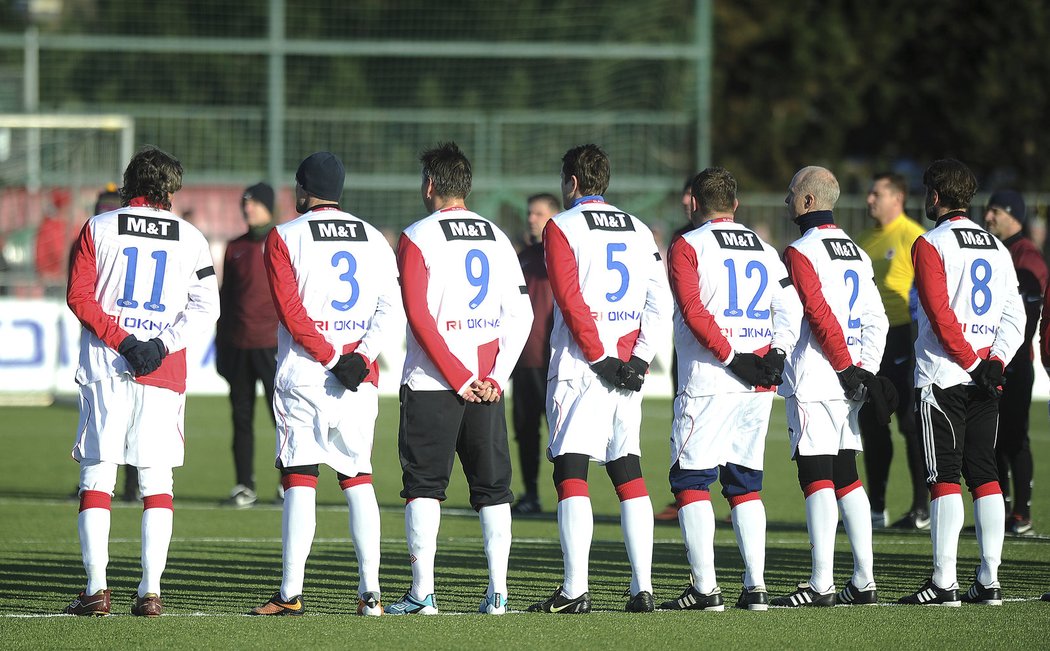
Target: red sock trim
{"x": 296, "y": 481}
{"x": 572, "y": 488}
{"x": 986, "y": 489}
{"x": 686, "y": 497}
{"x": 160, "y": 501}
{"x": 818, "y": 485}
{"x": 737, "y": 500}
{"x": 94, "y": 500}
{"x": 941, "y": 489}
{"x": 359, "y": 480}
{"x": 843, "y": 492}
{"x": 632, "y": 489}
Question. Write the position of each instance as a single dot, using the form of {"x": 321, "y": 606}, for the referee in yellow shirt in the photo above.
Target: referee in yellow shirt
{"x": 888, "y": 242}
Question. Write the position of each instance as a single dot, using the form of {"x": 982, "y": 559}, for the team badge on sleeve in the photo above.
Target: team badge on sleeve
{"x": 338, "y": 230}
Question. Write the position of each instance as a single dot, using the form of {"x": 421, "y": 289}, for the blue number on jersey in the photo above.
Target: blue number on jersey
{"x": 852, "y": 278}
{"x": 348, "y": 276}
{"x": 480, "y": 279}
{"x": 153, "y": 304}
{"x": 763, "y": 280}
{"x": 619, "y": 267}
{"x": 980, "y": 286}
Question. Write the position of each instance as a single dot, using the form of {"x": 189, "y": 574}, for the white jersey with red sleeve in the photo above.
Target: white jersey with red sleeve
{"x": 611, "y": 297}
{"x": 334, "y": 284}
{"x": 732, "y": 294}
{"x": 845, "y": 322}
{"x": 146, "y": 272}
{"x": 468, "y": 311}
{"x": 971, "y": 305}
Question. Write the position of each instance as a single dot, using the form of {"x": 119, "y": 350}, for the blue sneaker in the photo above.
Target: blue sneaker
{"x": 409, "y": 605}
{"x": 494, "y": 604}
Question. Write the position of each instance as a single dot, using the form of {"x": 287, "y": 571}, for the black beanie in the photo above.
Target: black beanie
{"x": 262, "y": 193}
{"x": 321, "y": 175}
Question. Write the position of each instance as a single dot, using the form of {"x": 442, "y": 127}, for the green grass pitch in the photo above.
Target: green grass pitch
{"x": 223, "y": 562}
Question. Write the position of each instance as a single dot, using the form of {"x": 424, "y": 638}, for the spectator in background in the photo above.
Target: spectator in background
{"x": 530, "y": 375}
{"x": 52, "y": 244}
{"x": 888, "y": 242}
{"x": 1006, "y": 219}
{"x": 246, "y": 334}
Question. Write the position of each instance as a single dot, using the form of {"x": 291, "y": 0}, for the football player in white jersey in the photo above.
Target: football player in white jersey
{"x": 736, "y": 319}
{"x": 469, "y": 315}
{"x": 612, "y": 304}
{"x": 334, "y": 286}
{"x": 142, "y": 284}
{"x": 972, "y": 319}
{"x": 827, "y": 378}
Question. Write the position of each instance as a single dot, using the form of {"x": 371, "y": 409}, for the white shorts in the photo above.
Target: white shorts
{"x": 124, "y": 422}
{"x": 711, "y": 431}
{"x": 823, "y": 427}
{"x": 586, "y": 417}
{"x": 329, "y": 425}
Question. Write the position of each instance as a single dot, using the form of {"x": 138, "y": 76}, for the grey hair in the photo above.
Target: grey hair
{"x": 819, "y": 182}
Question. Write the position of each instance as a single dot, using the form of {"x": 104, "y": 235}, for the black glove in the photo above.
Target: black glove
{"x": 852, "y": 379}
{"x": 988, "y": 376}
{"x": 749, "y": 368}
{"x": 632, "y": 374}
{"x": 143, "y": 356}
{"x": 773, "y": 363}
{"x": 883, "y": 398}
{"x": 609, "y": 369}
{"x": 351, "y": 370}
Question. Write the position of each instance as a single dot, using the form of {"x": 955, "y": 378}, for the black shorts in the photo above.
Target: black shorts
{"x": 958, "y": 427}
{"x": 438, "y": 425}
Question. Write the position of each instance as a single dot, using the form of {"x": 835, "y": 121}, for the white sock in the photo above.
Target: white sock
{"x": 575, "y": 528}
{"x": 636, "y": 521}
{"x": 697, "y": 520}
{"x": 856, "y": 517}
{"x": 422, "y": 521}
{"x": 822, "y": 518}
{"x": 496, "y": 531}
{"x": 988, "y": 512}
{"x": 156, "y": 535}
{"x": 93, "y": 526}
{"x": 298, "y": 522}
{"x": 364, "y": 529}
{"x": 749, "y": 525}
{"x": 946, "y": 522}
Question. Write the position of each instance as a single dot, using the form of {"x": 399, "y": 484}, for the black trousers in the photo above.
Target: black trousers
{"x": 243, "y": 368}
{"x": 958, "y": 433}
{"x": 1013, "y": 456}
{"x": 898, "y": 364}
{"x": 529, "y": 411}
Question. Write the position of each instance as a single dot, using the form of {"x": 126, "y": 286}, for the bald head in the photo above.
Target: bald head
{"x": 812, "y": 188}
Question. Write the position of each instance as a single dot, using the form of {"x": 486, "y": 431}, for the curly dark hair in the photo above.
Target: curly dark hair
{"x": 953, "y": 181}
{"x": 154, "y": 174}
{"x": 449, "y": 169}
{"x": 590, "y": 165}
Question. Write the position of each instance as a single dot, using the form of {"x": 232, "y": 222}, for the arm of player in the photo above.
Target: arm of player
{"x": 196, "y": 322}
{"x": 80, "y": 292}
{"x": 874, "y": 325}
{"x": 787, "y": 310}
{"x": 388, "y": 320}
{"x": 284, "y": 289}
{"x": 821, "y": 319}
{"x": 932, "y": 287}
{"x": 685, "y": 288}
{"x": 564, "y": 276}
{"x": 414, "y": 281}
{"x": 656, "y": 314}
{"x": 515, "y": 320}
{"x": 1010, "y": 334}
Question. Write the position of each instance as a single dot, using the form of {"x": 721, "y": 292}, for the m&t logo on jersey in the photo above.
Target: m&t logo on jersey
{"x": 467, "y": 229}
{"x": 738, "y": 240}
{"x": 146, "y": 226}
{"x": 971, "y": 238}
{"x": 337, "y": 230}
{"x": 607, "y": 220}
{"x": 842, "y": 249}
